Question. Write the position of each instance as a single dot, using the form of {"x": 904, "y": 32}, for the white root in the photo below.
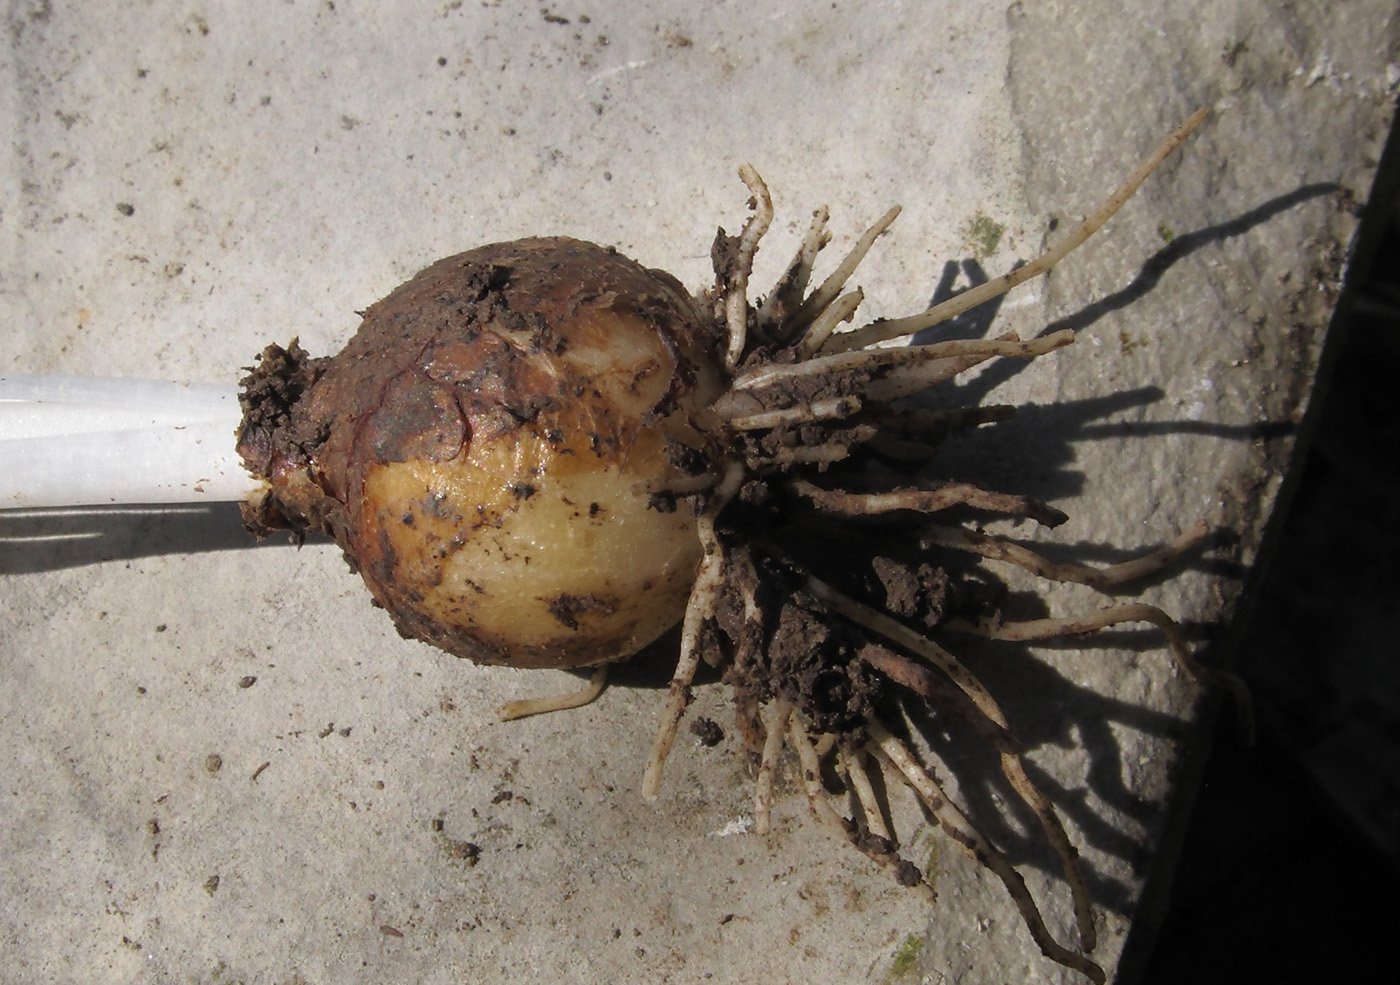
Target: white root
{"x": 824, "y": 362}
{"x": 775, "y": 728}
{"x": 845, "y": 362}
{"x": 1015, "y": 772}
{"x": 818, "y": 300}
{"x": 683, "y": 485}
{"x": 938, "y": 498}
{"x": 852, "y": 765}
{"x": 824, "y": 454}
{"x": 699, "y": 609}
{"x": 842, "y": 309}
{"x": 896, "y": 632}
{"x": 882, "y": 331}
{"x": 736, "y": 299}
{"x": 787, "y": 296}
{"x": 812, "y": 776}
{"x": 512, "y": 710}
{"x": 1117, "y": 615}
{"x": 817, "y": 410}
{"x": 1101, "y": 579}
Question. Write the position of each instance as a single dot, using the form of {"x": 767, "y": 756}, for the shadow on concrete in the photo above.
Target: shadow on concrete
{"x": 52, "y": 539}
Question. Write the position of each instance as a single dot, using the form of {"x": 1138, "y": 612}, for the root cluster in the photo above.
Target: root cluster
{"x": 810, "y": 436}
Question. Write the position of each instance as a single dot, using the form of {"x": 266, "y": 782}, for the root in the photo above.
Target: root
{"x": 872, "y": 838}
{"x": 812, "y": 776}
{"x": 806, "y": 397}
{"x": 817, "y": 410}
{"x": 851, "y": 765}
{"x": 936, "y": 499}
{"x": 956, "y": 825}
{"x": 1117, "y": 615}
{"x": 955, "y": 352}
{"x": 882, "y": 331}
{"x": 1015, "y": 771}
{"x": 1087, "y": 622}
{"x": 512, "y": 710}
{"x": 1011, "y": 764}
{"x": 684, "y": 485}
{"x": 938, "y": 693}
{"x": 901, "y": 635}
{"x": 775, "y": 728}
{"x": 736, "y": 300}
{"x": 827, "y": 453}
{"x": 842, "y": 309}
{"x": 997, "y": 549}
{"x": 913, "y": 434}
{"x": 1101, "y": 579}
{"x": 699, "y": 609}
{"x": 807, "y": 313}
{"x": 786, "y": 297}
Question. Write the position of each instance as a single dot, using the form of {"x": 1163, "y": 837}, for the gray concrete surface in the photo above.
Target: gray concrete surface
{"x": 185, "y": 182}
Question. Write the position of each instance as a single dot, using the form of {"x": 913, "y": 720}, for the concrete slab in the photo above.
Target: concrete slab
{"x": 222, "y": 765}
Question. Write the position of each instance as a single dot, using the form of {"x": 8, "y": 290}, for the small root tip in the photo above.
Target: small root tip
{"x": 512, "y": 710}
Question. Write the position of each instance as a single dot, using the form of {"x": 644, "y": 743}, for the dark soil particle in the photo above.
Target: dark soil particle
{"x": 906, "y": 873}
{"x": 684, "y": 458}
{"x": 707, "y": 731}
{"x": 567, "y": 608}
{"x": 921, "y": 593}
{"x": 662, "y": 502}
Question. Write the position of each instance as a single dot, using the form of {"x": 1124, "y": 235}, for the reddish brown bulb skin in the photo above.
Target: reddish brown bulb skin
{"x": 486, "y": 447}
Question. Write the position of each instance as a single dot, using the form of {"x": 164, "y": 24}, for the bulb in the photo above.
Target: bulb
{"x": 489, "y": 447}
